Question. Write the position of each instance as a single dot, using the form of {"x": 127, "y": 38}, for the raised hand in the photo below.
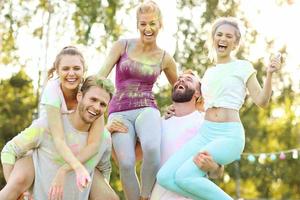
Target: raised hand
{"x": 275, "y": 64}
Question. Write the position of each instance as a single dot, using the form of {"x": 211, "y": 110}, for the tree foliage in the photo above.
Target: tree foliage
{"x": 17, "y": 106}
{"x": 91, "y": 20}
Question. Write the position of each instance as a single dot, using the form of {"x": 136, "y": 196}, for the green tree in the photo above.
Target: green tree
{"x": 17, "y": 107}
{"x": 91, "y": 20}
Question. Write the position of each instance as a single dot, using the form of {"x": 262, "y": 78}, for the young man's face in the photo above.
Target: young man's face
{"x": 93, "y": 104}
{"x": 184, "y": 88}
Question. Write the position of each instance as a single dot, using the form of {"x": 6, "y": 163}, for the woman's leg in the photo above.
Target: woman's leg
{"x": 124, "y": 147}
{"x": 224, "y": 141}
{"x": 166, "y": 174}
{"x": 20, "y": 179}
{"x": 100, "y": 189}
{"x": 148, "y": 128}
{"x": 187, "y": 176}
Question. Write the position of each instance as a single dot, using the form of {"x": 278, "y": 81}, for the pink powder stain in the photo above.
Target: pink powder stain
{"x": 184, "y": 138}
{"x": 75, "y": 148}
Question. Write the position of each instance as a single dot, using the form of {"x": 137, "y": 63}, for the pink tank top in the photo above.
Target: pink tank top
{"x": 134, "y": 83}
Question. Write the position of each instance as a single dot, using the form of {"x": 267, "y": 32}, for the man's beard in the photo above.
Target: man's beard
{"x": 181, "y": 97}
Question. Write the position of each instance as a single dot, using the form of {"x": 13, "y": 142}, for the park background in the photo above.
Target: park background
{"x": 32, "y": 32}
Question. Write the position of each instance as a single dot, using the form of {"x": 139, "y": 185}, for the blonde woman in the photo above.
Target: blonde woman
{"x": 222, "y": 135}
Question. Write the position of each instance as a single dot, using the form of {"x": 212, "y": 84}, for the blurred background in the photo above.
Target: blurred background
{"x": 32, "y": 32}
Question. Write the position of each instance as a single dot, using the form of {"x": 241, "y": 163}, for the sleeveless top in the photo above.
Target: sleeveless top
{"x": 134, "y": 82}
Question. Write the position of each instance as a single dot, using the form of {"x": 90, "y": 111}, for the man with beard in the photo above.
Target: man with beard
{"x": 93, "y": 99}
{"x": 181, "y": 127}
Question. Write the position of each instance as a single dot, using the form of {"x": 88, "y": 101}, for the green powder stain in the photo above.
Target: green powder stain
{"x": 106, "y": 134}
{"x": 91, "y": 163}
{"x": 32, "y": 133}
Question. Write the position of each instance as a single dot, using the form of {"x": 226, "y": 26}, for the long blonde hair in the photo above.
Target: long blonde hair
{"x": 68, "y": 50}
{"x": 219, "y": 22}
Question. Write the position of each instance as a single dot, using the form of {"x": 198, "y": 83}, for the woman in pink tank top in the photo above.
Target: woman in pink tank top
{"x": 138, "y": 62}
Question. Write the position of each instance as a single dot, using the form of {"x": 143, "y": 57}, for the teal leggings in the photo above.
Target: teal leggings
{"x": 224, "y": 141}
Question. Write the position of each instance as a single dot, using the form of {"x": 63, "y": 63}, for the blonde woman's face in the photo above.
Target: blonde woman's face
{"x": 70, "y": 71}
{"x": 148, "y": 26}
{"x": 225, "y": 40}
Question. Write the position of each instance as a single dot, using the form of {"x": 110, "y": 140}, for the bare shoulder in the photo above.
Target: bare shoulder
{"x": 168, "y": 61}
{"x": 120, "y": 44}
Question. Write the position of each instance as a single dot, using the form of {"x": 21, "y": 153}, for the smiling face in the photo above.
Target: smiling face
{"x": 92, "y": 103}
{"x": 185, "y": 88}
{"x": 225, "y": 40}
{"x": 70, "y": 70}
{"x": 148, "y": 26}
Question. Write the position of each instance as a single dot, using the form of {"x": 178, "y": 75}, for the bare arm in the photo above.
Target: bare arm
{"x": 7, "y": 169}
{"x": 112, "y": 58}
{"x": 113, "y": 126}
{"x": 93, "y": 145}
{"x": 169, "y": 68}
{"x": 94, "y": 140}
{"x": 261, "y": 96}
{"x": 57, "y": 131}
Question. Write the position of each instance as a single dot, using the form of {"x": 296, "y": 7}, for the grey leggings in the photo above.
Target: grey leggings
{"x": 143, "y": 124}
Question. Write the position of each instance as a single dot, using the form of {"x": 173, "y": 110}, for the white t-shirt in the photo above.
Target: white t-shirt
{"x": 176, "y": 132}
{"x": 224, "y": 85}
{"x": 53, "y": 95}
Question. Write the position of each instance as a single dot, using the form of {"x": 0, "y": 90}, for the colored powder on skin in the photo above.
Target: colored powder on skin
{"x": 54, "y": 102}
{"x": 31, "y": 133}
{"x": 29, "y": 136}
{"x": 91, "y": 163}
{"x": 106, "y": 134}
{"x": 58, "y": 160}
{"x": 75, "y": 148}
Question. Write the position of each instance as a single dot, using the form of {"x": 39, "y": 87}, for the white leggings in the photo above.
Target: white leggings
{"x": 143, "y": 124}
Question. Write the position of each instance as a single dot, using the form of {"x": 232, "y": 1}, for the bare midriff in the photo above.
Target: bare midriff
{"x": 218, "y": 114}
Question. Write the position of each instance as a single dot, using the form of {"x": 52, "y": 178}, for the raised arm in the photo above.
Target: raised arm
{"x": 112, "y": 58}
{"x": 169, "y": 68}
{"x": 261, "y": 96}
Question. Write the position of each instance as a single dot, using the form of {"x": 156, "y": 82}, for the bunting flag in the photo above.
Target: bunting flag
{"x": 271, "y": 156}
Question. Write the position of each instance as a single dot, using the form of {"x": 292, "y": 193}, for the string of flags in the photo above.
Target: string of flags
{"x": 271, "y": 156}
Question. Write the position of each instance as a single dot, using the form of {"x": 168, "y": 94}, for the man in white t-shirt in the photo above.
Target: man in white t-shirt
{"x": 182, "y": 127}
